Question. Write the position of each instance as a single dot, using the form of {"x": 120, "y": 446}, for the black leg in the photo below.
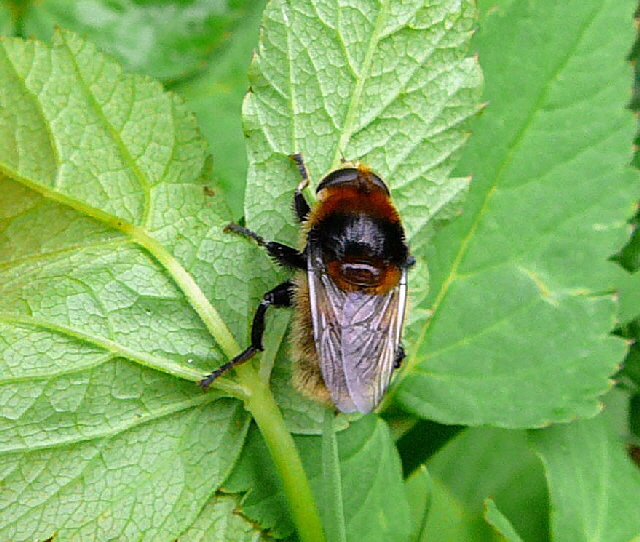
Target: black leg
{"x": 400, "y": 355}
{"x": 282, "y": 254}
{"x": 299, "y": 203}
{"x": 280, "y": 296}
{"x": 285, "y": 255}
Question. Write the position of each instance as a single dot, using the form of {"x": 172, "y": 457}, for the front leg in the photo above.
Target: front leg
{"x": 283, "y": 254}
{"x": 280, "y": 296}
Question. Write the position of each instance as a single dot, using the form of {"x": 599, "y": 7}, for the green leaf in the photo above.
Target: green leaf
{"x": 384, "y": 82}
{"x": 497, "y": 463}
{"x": 375, "y": 504}
{"x": 449, "y": 520}
{"x": 594, "y": 486}
{"x": 520, "y": 330}
{"x": 419, "y": 488}
{"x": 102, "y": 212}
{"x": 500, "y": 523}
{"x": 219, "y": 522}
{"x": 167, "y": 40}
{"x": 149, "y": 479}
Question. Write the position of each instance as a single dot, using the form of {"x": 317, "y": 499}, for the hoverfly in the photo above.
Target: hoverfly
{"x": 349, "y": 291}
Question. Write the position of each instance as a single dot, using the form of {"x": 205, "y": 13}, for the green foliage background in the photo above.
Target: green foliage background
{"x": 108, "y": 200}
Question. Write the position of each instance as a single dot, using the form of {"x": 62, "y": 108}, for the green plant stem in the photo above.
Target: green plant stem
{"x": 285, "y": 456}
{"x": 332, "y": 477}
{"x": 257, "y": 397}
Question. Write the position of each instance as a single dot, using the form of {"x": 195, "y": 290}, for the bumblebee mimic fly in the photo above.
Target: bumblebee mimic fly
{"x": 349, "y": 291}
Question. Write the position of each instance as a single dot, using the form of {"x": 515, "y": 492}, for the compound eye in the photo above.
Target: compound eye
{"x": 338, "y": 177}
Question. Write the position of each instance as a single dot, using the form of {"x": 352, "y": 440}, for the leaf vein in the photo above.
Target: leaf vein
{"x": 115, "y": 137}
{"x": 153, "y": 362}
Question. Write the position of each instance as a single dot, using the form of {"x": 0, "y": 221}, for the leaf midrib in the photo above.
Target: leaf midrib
{"x": 68, "y": 250}
{"x": 349, "y": 119}
{"x": 124, "y": 425}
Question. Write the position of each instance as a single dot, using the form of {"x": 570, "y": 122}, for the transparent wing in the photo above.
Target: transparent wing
{"x": 356, "y": 335}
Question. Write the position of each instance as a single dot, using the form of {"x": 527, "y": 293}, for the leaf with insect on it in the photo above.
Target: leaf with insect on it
{"x": 386, "y": 83}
